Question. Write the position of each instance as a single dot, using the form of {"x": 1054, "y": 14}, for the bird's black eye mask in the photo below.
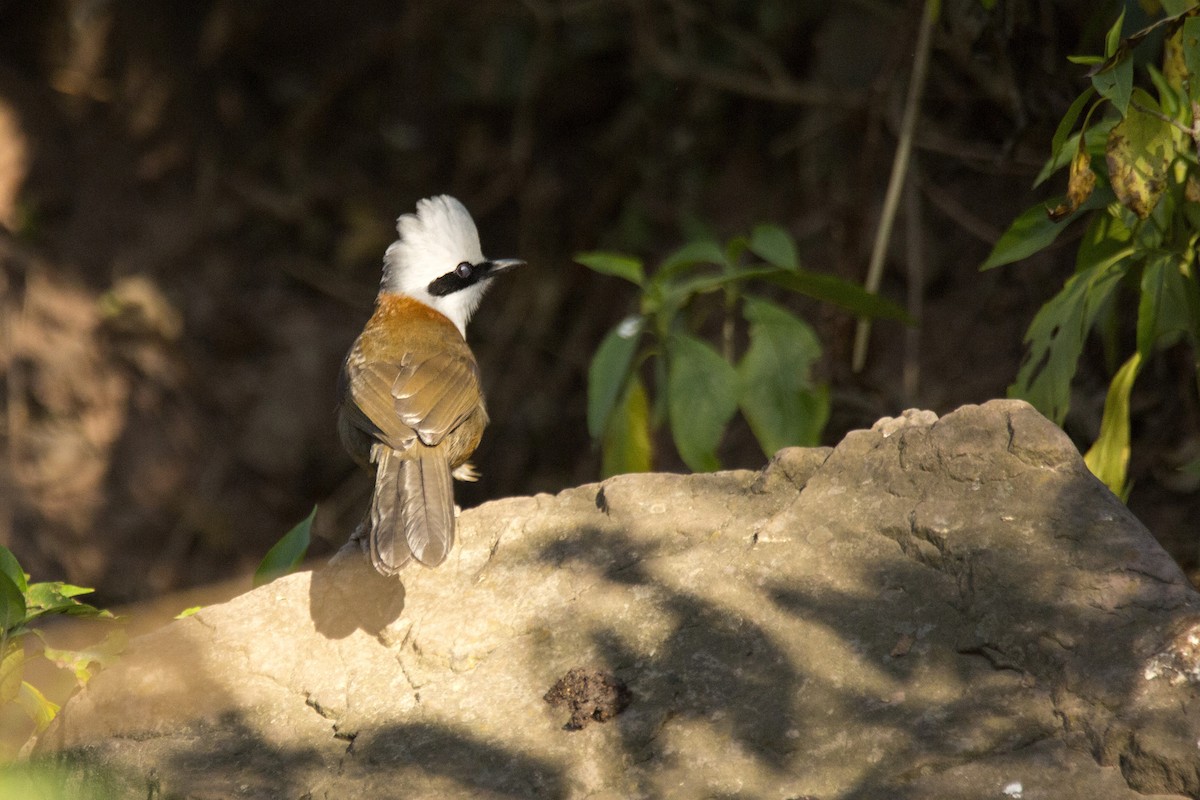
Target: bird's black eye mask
{"x": 464, "y": 275}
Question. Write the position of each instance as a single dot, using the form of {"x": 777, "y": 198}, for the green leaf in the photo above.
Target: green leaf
{"x": 615, "y": 264}
{"x": 831, "y": 289}
{"x": 1168, "y": 98}
{"x": 702, "y": 396}
{"x": 1166, "y": 308}
{"x": 775, "y": 246}
{"x": 1106, "y": 236}
{"x": 287, "y": 553}
{"x": 608, "y": 372}
{"x": 12, "y": 667}
{"x": 683, "y": 290}
{"x": 1140, "y": 149}
{"x": 59, "y": 598}
{"x": 1086, "y": 59}
{"x": 12, "y": 568}
{"x": 702, "y": 251}
{"x": 35, "y": 704}
{"x": 1067, "y": 123}
{"x": 12, "y": 605}
{"x": 1190, "y": 44}
{"x": 188, "y": 612}
{"x": 1057, "y": 333}
{"x": 1029, "y": 233}
{"x": 778, "y": 397}
{"x": 1115, "y": 84}
{"x": 1112, "y": 40}
{"x": 1108, "y": 457}
{"x": 627, "y": 446}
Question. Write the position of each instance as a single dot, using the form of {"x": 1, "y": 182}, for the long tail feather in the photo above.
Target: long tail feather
{"x": 412, "y": 511}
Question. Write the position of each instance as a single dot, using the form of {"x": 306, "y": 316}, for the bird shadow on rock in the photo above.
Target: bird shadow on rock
{"x": 347, "y": 594}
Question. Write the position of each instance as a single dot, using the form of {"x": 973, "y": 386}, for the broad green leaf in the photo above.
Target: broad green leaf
{"x": 12, "y": 605}
{"x": 286, "y": 554}
{"x": 35, "y": 704}
{"x": 608, "y": 372}
{"x": 615, "y": 264}
{"x": 1115, "y": 84}
{"x": 775, "y": 246}
{"x": 1106, "y": 236}
{"x": 1140, "y": 148}
{"x": 627, "y": 446}
{"x": 103, "y": 654}
{"x": 1191, "y": 54}
{"x": 12, "y": 568}
{"x": 1067, "y": 123}
{"x": 1167, "y": 304}
{"x": 702, "y": 396}
{"x": 702, "y": 251}
{"x": 843, "y": 293}
{"x": 778, "y": 396}
{"x": 12, "y": 667}
{"x": 1108, "y": 458}
{"x": 1056, "y": 336}
{"x": 1029, "y": 233}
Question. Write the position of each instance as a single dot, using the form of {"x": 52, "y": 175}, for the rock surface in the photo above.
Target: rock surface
{"x": 944, "y": 608}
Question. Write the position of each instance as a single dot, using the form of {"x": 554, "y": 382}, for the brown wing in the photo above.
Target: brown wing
{"x": 425, "y": 395}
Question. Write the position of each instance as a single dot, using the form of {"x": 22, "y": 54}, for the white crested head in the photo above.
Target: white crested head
{"x": 434, "y": 243}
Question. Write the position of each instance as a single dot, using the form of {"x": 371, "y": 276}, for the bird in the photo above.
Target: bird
{"x": 410, "y": 405}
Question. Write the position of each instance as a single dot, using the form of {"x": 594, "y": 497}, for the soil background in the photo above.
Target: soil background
{"x": 195, "y": 199}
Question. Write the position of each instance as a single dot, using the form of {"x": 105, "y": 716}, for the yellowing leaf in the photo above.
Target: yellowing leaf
{"x": 626, "y": 446}
{"x": 1191, "y": 190}
{"x": 1139, "y": 151}
{"x": 41, "y": 710}
{"x": 1108, "y": 458}
{"x": 1079, "y": 186}
{"x": 12, "y": 665}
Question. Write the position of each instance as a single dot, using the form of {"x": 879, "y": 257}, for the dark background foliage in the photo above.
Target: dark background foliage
{"x": 198, "y": 196}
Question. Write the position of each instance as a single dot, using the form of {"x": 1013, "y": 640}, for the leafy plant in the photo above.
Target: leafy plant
{"x": 21, "y": 605}
{"x": 285, "y": 555}
{"x": 1132, "y": 171}
{"x": 699, "y": 386}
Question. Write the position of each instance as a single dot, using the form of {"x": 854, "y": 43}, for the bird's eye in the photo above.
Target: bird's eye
{"x": 463, "y": 270}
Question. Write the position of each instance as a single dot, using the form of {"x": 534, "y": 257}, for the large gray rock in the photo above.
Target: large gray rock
{"x": 944, "y": 608}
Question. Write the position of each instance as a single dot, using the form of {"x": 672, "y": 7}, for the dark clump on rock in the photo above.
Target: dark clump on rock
{"x": 590, "y": 695}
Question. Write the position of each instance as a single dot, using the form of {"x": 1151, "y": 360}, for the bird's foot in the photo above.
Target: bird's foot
{"x": 465, "y": 472}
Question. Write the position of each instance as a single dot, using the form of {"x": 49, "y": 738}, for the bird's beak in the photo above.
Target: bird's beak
{"x": 496, "y": 266}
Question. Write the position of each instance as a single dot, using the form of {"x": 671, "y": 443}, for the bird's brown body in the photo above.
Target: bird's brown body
{"x": 411, "y": 409}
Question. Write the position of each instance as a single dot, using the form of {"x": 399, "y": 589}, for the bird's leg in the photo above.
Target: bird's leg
{"x": 358, "y": 541}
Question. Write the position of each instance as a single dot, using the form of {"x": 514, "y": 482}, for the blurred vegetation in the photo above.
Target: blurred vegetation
{"x": 23, "y": 605}
{"x": 194, "y": 200}
{"x": 1133, "y": 173}
{"x": 698, "y": 387}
